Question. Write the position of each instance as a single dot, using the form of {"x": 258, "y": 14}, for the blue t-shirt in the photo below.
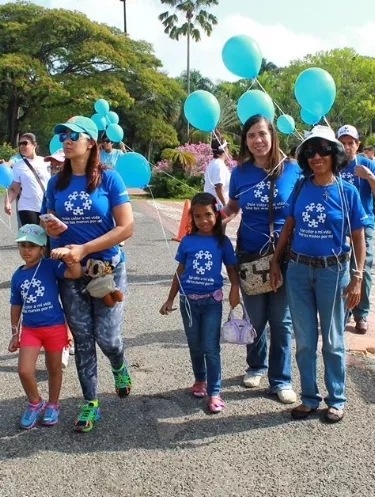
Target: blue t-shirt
{"x": 88, "y": 215}
{"x": 110, "y": 158}
{"x": 250, "y": 188}
{"x": 203, "y": 256}
{"x": 39, "y": 295}
{"x": 362, "y": 185}
{"x": 320, "y": 226}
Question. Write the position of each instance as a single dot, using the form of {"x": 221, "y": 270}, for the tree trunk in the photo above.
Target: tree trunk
{"x": 188, "y": 70}
{"x": 13, "y": 121}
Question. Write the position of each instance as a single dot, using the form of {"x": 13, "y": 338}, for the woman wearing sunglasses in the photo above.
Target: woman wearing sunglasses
{"x": 109, "y": 155}
{"x": 93, "y": 202}
{"x": 30, "y": 178}
{"x": 323, "y": 212}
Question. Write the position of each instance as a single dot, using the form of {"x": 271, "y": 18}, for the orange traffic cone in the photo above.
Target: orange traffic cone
{"x": 184, "y": 223}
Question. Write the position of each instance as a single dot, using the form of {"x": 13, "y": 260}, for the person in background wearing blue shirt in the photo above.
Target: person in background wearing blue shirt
{"x": 109, "y": 155}
{"x": 360, "y": 172}
{"x": 323, "y": 211}
{"x": 260, "y": 164}
{"x": 200, "y": 256}
{"x": 92, "y": 200}
{"x": 35, "y": 301}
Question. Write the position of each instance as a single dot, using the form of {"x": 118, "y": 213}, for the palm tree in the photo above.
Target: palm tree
{"x": 267, "y": 66}
{"x": 197, "y": 81}
{"x": 194, "y": 15}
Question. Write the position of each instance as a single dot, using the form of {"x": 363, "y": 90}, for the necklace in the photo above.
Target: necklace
{"x": 325, "y": 190}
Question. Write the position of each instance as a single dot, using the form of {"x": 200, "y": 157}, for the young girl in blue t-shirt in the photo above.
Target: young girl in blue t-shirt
{"x": 35, "y": 301}
{"x": 198, "y": 277}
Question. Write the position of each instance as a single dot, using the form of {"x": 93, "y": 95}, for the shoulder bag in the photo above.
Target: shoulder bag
{"x": 254, "y": 267}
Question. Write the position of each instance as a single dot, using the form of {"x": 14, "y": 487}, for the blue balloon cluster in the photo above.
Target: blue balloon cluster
{"x": 107, "y": 120}
{"x": 134, "y": 170}
{"x": 202, "y": 110}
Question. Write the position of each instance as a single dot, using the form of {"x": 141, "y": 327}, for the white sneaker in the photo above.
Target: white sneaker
{"x": 65, "y": 358}
{"x": 250, "y": 380}
{"x": 71, "y": 349}
{"x": 287, "y": 396}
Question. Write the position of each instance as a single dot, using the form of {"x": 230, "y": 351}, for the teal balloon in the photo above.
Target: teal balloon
{"x": 101, "y": 106}
{"x": 55, "y": 144}
{"x": 6, "y": 176}
{"x": 315, "y": 91}
{"x": 115, "y": 133}
{"x": 134, "y": 170}
{"x": 100, "y": 121}
{"x": 285, "y": 124}
{"x": 242, "y": 56}
{"x": 309, "y": 118}
{"x": 112, "y": 117}
{"x": 202, "y": 110}
{"x": 255, "y": 102}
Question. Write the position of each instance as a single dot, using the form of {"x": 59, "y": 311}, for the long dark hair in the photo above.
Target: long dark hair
{"x": 93, "y": 171}
{"x": 208, "y": 199}
{"x": 339, "y": 157}
{"x": 274, "y": 156}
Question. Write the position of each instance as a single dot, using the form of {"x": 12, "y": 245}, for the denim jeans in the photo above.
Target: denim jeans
{"x": 314, "y": 292}
{"x": 272, "y": 308}
{"x": 92, "y": 322}
{"x": 363, "y": 308}
{"x": 204, "y": 339}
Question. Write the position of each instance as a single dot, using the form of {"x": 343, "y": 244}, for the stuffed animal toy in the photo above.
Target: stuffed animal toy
{"x": 102, "y": 285}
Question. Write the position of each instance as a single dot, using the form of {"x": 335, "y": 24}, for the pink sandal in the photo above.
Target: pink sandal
{"x": 215, "y": 404}
{"x": 199, "y": 389}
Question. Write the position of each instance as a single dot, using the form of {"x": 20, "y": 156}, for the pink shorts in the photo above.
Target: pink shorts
{"x": 52, "y": 338}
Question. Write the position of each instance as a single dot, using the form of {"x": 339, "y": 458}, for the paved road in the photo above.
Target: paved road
{"x": 160, "y": 441}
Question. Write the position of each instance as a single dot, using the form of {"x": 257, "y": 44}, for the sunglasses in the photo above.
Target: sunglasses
{"x": 107, "y": 141}
{"x": 23, "y": 143}
{"x": 322, "y": 150}
{"x": 73, "y": 135}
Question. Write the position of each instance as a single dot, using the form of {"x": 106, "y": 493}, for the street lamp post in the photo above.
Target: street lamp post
{"x": 125, "y": 30}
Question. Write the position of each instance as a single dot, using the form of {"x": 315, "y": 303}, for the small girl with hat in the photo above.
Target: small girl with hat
{"x": 35, "y": 301}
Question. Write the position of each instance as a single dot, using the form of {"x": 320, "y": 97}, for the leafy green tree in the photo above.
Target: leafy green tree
{"x": 193, "y": 14}
{"x": 55, "y": 63}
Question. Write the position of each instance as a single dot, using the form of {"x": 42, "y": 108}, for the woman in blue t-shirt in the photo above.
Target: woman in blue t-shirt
{"x": 262, "y": 173}
{"x": 323, "y": 212}
{"x": 93, "y": 203}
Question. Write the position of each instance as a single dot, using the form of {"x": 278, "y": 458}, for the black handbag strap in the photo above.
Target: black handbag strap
{"x": 35, "y": 174}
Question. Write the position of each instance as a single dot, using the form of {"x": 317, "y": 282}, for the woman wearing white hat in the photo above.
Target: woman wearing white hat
{"x": 323, "y": 210}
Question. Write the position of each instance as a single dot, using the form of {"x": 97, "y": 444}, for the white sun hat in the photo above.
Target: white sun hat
{"x": 322, "y": 132}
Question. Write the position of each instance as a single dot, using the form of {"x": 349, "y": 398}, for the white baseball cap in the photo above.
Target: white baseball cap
{"x": 348, "y": 130}
{"x": 323, "y": 132}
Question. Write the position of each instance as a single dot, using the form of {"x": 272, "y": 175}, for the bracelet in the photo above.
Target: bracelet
{"x": 358, "y": 276}
{"x": 14, "y": 330}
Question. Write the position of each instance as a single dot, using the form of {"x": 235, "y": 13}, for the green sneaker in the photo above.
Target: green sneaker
{"x": 90, "y": 413}
{"x": 123, "y": 382}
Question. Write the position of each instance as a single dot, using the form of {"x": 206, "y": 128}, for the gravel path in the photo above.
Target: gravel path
{"x": 160, "y": 441}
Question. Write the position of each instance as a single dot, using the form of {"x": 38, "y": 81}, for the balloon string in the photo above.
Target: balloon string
{"x": 299, "y": 136}
{"x": 165, "y": 172}
{"x": 327, "y": 123}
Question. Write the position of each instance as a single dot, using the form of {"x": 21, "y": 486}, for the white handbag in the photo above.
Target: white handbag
{"x": 238, "y": 331}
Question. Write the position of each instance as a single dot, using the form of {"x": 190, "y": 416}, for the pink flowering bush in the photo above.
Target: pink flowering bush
{"x": 203, "y": 155}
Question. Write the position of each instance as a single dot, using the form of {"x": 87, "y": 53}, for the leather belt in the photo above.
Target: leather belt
{"x": 330, "y": 260}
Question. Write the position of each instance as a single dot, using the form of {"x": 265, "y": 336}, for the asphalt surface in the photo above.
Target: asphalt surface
{"x": 160, "y": 441}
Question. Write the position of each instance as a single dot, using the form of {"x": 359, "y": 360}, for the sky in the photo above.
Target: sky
{"x": 284, "y": 29}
